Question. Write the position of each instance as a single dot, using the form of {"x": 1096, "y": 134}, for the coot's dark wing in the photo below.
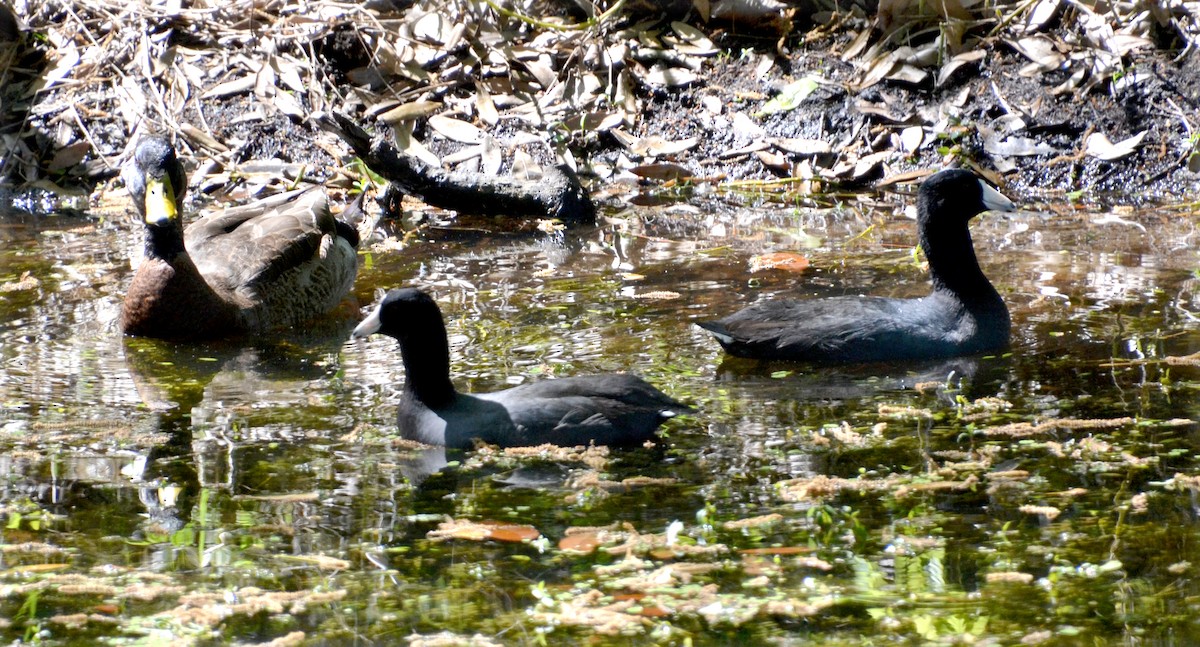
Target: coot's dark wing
{"x": 602, "y": 409}
{"x": 839, "y": 329}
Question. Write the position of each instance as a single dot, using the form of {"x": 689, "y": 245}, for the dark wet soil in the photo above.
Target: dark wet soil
{"x": 1160, "y": 94}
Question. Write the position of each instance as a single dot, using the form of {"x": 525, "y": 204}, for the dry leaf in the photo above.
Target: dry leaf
{"x": 1099, "y": 146}
{"x": 230, "y": 88}
{"x": 288, "y": 105}
{"x": 785, "y": 261}
{"x": 584, "y": 542}
{"x": 656, "y": 146}
{"x": 911, "y": 139}
{"x": 410, "y": 111}
{"x": 1041, "y": 50}
{"x": 670, "y": 77}
{"x": 957, "y": 62}
{"x": 690, "y": 40}
{"x": 456, "y": 129}
{"x": 798, "y": 146}
{"x": 662, "y": 171}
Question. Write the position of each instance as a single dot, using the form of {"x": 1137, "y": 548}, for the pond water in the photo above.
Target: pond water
{"x": 255, "y": 491}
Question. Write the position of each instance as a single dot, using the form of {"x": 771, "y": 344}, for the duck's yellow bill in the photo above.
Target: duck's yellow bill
{"x": 160, "y": 201}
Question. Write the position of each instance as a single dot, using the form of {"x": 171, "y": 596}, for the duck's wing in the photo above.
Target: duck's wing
{"x": 285, "y": 255}
{"x": 255, "y": 243}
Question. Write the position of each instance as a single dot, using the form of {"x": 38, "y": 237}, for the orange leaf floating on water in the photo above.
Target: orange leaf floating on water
{"x": 584, "y": 542}
{"x": 35, "y": 568}
{"x": 776, "y": 550}
{"x": 483, "y": 530}
{"x": 654, "y": 612}
{"x": 513, "y": 532}
{"x": 786, "y": 261}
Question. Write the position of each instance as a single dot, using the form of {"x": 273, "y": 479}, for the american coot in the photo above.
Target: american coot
{"x": 963, "y": 315}
{"x": 269, "y": 264}
{"x": 614, "y": 409}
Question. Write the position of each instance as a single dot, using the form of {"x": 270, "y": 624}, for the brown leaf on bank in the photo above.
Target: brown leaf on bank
{"x": 663, "y": 172}
{"x": 410, "y": 112}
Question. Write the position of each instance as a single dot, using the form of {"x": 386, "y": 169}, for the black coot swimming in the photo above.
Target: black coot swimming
{"x": 614, "y": 409}
{"x": 964, "y": 314}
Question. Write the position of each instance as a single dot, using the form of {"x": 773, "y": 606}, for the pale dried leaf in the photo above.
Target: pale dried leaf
{"x": 956, "y": 62}
{"x": 994, "y": 144}
{"x": 857, "y": 45}
{"x": 264, "y": 82}
{"x": 799, "y": 146}
{"x": 68, "y": 58}
{"x": 410, "y": 111}
{"x": 289, "y": 73}
{"x": 869, "y": 163}
{"x": 492, "y": 156}
{"x": 484, "y": 106}
{"x": 758, "y": 145}
{"x": 876, "y": 70}
{"x": 595, "y": 121}
{"x": 456, "y": 129}
{"x": 524, "y": 167}
{"x": 432, "y": 28}
{"x": 906, "y": 73}
{"x": 1122, "y": 44}
{"x": 1041, "y": 50}
{"x": 670, "y": 77}
{"x": 542, "y": 69}
{"x": 1099, "y": 146}
{"x": 1038, "y": 17}
{"x": 744, "y": 126}
{"x": 202, "y": 139}
{"x": 655, "y": 146}
{"x": 463, "y": 155}
{"x": 288, "y": 105}
{"x": 911, "y": 139}
{"x": 691, "y": 41}
{"x": 230, "y": 88}
{"x": 132, "y": 102}
{"x": 772, "y": 160}
{"x": 409, "y": 145}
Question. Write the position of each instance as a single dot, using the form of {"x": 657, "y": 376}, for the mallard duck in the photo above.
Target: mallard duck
{"x": 270, "y": 264}
{"x": 608, "y": 409}
{"x": 963, "y": 315}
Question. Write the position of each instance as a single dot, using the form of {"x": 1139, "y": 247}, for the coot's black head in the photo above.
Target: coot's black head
{"x": 957, "y": 194}
{"x": 156, "y": 181}
{"x": 404, "y": 312}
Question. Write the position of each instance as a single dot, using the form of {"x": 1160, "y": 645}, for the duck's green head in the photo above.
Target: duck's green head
{"x": 155, "y": 180}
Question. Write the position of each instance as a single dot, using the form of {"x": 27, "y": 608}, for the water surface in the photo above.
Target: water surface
{"x": 257, "y": 489}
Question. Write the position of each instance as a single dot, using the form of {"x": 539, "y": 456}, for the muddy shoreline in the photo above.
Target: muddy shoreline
{"x": 690, "y": 102}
